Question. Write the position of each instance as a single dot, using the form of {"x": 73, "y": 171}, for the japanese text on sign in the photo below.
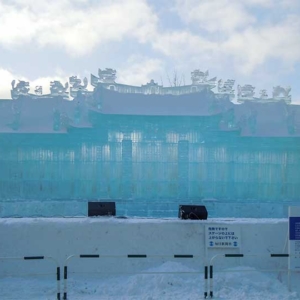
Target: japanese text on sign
{"x": 222, "y": 236}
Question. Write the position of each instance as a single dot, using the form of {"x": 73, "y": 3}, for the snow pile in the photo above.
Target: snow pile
{"x": 248, "y": 283}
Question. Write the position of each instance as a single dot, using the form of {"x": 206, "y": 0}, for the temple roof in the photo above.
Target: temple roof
{"x": 196, "y": 104}
{"x": 56, "y": 115}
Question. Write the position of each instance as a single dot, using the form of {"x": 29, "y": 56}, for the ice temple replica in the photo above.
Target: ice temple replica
{"x": 149, "y": 148}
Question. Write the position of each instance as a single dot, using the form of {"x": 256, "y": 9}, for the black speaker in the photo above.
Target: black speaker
{"x": 101, "y": 209}
{"x": 192, "y": 212}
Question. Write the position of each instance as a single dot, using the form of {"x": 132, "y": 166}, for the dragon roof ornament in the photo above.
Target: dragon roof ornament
{"x": 76, "y": 86}
{"x": 281, "y": 93}
{"x": 226, "y": 87}
{"x": 20, "y": 89}
{"x": 104, "y": 76}
{"x": 200, "y": 78}
{"x": 263, "y": 94}
{"x": 57, "y": 89}
{"x": 246, "y": 91}
{"x": 107, "y": 76}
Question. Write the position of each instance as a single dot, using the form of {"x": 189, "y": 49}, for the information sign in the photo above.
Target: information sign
{"x": 222, "y": 236}
{"x": 294, "y": 238}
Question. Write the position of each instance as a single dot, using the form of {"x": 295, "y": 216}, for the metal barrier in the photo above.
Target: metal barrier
{"x": 130, "y": 256}
{"x": 230, "y": 256}
{"x": 40, "y": 258}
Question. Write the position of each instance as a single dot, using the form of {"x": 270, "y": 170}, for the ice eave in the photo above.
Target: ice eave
{"x": 203, "y": 103}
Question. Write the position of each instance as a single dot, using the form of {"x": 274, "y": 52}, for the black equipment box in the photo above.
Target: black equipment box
{"x": 101, "y": 209}
{"x": 192, "y": 212}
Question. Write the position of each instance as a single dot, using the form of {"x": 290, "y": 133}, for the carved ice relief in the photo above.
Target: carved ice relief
{"x": 75, "y": 85}
{"x": 107, "y": 76}
{"x": 107, "y": 79}
{"x": 281, "y": 93}
{"x": 56, "y": 88}
{"x": 104, "y": 76}
{"x": 246, "y": 91}
{"x": 263, "y": 94}
{"x": 22, "y": 88}
{"x": 226, "y": 87}
{"x": 38, "y": 90}
{"x": 151, "y": 87}
{"x": 200, "y": 78}
{"x": 220, "y": 85}
{"x": 94, "y": 80}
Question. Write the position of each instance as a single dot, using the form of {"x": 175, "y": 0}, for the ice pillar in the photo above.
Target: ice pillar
{"x": 126, "y": 168}
{"x": 183, "y": 169}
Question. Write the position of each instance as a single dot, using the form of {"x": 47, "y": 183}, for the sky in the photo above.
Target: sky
{"x": 255, "y": 42}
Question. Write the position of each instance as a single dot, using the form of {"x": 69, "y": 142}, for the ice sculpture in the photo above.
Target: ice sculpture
{"x": 148, "y": 148}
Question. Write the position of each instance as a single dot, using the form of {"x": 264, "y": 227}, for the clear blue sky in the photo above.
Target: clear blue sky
{"x": 252, "y": 41}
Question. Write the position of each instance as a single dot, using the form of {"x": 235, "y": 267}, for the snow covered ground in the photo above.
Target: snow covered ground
{"x": 146, "y": 279}
{"x": 232, "y": 284}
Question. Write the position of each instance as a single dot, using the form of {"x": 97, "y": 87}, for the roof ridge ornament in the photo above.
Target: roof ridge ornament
{"x": 57, "y": 89}
{"x": 20, "y": 89}
{"x": 200, "y": 78}
{"x": 107, "y": 76}
{"x": 76, "y": 86}
{"x": 200, "y": 83}
{"x": 245, "y": 92}
{"x": 280, "y": 93}
{"x": 38, "y": 90}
